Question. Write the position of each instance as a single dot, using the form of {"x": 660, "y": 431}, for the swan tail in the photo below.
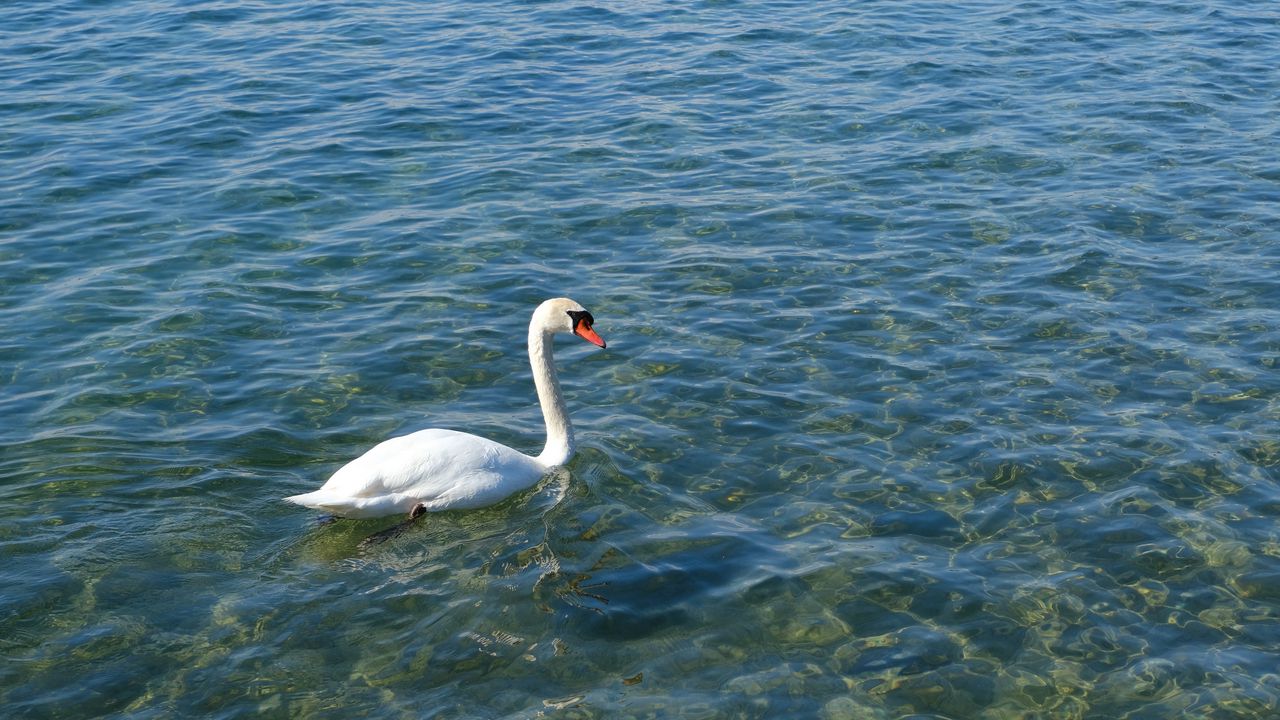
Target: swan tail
{"x": 320, "y": 501}
{"x": 353, "y": 507}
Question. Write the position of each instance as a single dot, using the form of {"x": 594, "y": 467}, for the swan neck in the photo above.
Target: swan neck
{"x": 559, "y": 447}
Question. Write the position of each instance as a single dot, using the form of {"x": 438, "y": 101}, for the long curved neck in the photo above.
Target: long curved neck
{"x": 559, "y": 447}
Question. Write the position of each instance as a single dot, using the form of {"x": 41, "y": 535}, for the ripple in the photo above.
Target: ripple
{"x": 940, "y": 377}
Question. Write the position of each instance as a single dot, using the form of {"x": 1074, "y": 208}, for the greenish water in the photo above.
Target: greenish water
{"x": 942, "y": 371}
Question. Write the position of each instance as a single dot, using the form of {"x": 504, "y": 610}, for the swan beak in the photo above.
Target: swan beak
{"x": 585, "y": 332}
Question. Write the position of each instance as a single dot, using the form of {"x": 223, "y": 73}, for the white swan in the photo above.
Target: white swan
{"x": 442, "y": 469}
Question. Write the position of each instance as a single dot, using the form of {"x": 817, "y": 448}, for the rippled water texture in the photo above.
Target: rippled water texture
{"x": 942, "y": 370}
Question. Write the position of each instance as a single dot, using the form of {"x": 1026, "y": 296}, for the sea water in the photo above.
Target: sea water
{"x": 942, "y": 374}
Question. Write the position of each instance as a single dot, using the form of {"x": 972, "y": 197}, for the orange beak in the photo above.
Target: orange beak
{"x": 585, "y": 332}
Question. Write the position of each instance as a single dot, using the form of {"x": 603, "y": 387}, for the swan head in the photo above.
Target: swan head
{"x": 562, "y": 315}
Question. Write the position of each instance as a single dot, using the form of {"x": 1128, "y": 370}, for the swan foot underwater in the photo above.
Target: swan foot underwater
{"x": 434, "y": 470}
{"x": 395, "y": 530}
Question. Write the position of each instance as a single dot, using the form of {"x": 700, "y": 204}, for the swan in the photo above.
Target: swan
{"x": 433, "y": 470}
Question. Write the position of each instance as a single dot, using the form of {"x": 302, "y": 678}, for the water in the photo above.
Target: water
{"x": 942, "y": 369}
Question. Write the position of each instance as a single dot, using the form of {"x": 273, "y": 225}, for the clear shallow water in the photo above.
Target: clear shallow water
{"x": 942, "y": 374}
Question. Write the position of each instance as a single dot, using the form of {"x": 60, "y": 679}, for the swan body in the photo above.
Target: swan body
{"x": 435, "y": 469}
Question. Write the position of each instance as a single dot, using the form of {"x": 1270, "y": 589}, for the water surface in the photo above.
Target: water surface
{"x": 942, "y": 369}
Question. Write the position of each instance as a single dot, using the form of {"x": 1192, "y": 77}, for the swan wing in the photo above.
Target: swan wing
{"x": 436, "y": 468}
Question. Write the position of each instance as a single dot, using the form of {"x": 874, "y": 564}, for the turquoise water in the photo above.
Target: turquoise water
{"x": 942, "y": 369}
